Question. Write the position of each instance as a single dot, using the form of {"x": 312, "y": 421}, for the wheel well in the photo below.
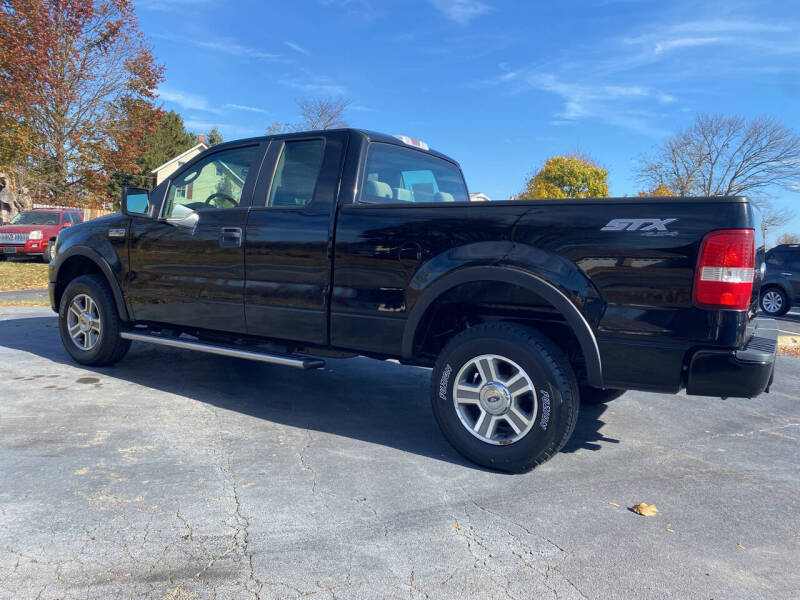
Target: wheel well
{"x": 477, "y": 302}
{"x": 770, "y": 286}
{"x": 73, "y": 267}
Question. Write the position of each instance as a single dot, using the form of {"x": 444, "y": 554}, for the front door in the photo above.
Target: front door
{"x": 187, "y": 267}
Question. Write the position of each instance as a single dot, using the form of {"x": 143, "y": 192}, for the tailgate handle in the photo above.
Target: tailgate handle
{"x": 230, "y": 237}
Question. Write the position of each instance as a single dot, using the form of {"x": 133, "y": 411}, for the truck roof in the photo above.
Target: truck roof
{"x": 367, "y": 135}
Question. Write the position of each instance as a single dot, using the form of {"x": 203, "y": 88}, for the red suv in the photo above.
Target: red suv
{"x": 34, "y": 232}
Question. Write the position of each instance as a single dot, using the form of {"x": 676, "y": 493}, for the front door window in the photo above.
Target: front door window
{"x": 215, "y": 182}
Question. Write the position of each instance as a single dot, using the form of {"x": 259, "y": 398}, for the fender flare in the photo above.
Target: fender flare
{"x": 577, "y": 322}
{"x": 105, "y": 268}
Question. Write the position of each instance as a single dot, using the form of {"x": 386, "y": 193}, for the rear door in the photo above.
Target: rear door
{"x": 187, "y": 267}
{"x": 288, "y": 248}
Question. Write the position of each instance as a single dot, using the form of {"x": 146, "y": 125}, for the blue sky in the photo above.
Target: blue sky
{"x": 497, "y": 84}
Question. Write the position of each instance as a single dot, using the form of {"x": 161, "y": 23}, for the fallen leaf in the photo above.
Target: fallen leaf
{"x": 740, "y": 546}
{"x": 670, "y": 530}
{"x": 644, "y": 509}
{"x": 457, "y": 527}
{"x": 614, "y": 504}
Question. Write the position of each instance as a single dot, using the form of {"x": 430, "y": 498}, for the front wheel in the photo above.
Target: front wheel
{"x": 47, "y": 257}
{"x": 774, "y": 302}
{"x": 89, "y": 322}
{"x": 504, "y": 396}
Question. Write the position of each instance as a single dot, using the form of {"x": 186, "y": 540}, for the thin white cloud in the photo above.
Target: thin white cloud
{"x": 186, "y": 100}
{"x": 229, "y": 47}
{"x": 315, "y": 84}
{"x": 246, "y": 108}
{"x": 169, "y": 5}
{"x": 687, "y": 42}
{"x": 461, "y": 11}
{"x": 297, "y": 48}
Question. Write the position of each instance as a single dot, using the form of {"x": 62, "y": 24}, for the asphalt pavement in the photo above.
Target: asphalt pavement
{"x": 176, "y": 475}
{"x": 789, "y": 324}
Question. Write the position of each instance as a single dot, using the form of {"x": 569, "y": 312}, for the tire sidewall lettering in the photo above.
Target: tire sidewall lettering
{"x": 444, "y": 381}
{"x": 544, "y": 407}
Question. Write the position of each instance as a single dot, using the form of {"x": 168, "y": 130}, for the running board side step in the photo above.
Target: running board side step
{"x": 277, "y": 359}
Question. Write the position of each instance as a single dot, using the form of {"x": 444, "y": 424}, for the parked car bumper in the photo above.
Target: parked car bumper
{"x": 29, "y": 248}
{"x": 740, "y": 373}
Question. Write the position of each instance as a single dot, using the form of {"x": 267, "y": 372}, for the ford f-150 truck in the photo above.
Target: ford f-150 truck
{"x": 294, "y": 248}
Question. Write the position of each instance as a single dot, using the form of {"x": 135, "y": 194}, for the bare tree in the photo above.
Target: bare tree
{"x": 725, "y": 156}
{"x": 788, "y": 238}
{"x": 323, "y": 113}
{"x": 772, "y": 217}
{"x": 315, "y": 114}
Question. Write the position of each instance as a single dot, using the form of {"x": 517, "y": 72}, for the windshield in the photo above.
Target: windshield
{"x": 35, "y": 218}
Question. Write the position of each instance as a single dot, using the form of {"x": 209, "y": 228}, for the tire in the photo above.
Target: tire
{"x": 47, "y": 257}
{"x": 774, "y": 301}
{"x": 590, "y": 395}
{"x": 544, "y": 412}
{"x": 104, "y": 346}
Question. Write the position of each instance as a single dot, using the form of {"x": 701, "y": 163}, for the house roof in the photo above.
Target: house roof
{"x": 201, "y": 146}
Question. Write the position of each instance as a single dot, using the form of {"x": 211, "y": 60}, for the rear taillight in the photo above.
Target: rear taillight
{"x": 724, "y": 276}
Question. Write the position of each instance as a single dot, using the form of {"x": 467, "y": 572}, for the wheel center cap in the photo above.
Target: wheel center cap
{"x": 85, "y": 322}
{"x": 495, "y": 398}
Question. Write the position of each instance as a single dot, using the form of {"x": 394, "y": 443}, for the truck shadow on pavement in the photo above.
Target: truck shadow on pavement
{"x": 374, "y": 401}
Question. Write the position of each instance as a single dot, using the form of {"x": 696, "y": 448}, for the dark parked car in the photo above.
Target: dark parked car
{"x": 780, "y": 289}
{"x": 292, "y": 248}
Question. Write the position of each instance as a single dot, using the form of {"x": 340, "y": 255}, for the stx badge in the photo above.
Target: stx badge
{"x": 637, "y": 224}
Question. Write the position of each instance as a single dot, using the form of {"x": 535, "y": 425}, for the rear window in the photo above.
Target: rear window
{"x": 395, "y": 174}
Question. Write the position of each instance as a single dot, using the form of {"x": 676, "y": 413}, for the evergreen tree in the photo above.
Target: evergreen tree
{"x": 214, "y": 137}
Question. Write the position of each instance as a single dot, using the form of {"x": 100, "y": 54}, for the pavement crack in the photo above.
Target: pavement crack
{"x": 304, "y": 464}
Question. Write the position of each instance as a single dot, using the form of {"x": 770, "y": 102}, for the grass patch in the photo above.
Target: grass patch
{"x": 22, "y": 276}
{"x": 24, "y": 303}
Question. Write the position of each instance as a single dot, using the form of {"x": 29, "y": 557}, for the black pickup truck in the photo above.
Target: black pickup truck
{"x": 292, "y": 248}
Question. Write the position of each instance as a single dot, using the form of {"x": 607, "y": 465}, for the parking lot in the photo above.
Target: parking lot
{"x": 179, "y": 475}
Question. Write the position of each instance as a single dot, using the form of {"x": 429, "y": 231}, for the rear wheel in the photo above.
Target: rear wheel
{"x": 774, "y": 302}
{"x": 590, "y": 395}
{"x": 504, "y": 396}
{"x": 89, "y": 322}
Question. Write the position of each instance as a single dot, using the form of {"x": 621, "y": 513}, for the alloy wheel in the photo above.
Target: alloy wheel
{"x": 495, "y": 399}
{"x": 83, "y": 322}
{"x": 772, "y": 301}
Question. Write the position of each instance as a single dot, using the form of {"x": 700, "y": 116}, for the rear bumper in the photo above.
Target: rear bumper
{"x": 740, "y": 373}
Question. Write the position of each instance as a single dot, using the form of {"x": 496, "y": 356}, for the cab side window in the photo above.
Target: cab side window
{"x": 297, "y": 173}
{"x": 215, "y": 182}
{"x": 395, "y": 174}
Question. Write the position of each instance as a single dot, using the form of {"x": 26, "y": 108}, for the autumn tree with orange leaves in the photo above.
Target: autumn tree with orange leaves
{"x": 660, "y": 191}
{"x": 77, "y": 85}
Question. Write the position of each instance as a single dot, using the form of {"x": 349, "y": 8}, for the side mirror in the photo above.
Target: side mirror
{"x": 67, "y": 224}
{"x": 135, "y": 202}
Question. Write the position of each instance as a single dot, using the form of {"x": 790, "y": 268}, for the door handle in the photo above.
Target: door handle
{"x": 230, "y": 237}
{"x": 786, "y": 274}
